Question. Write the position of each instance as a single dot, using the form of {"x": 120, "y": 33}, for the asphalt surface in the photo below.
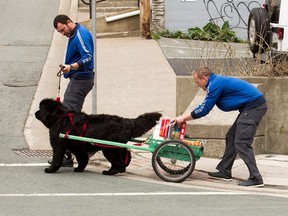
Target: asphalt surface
{"x": 26, "y": 33}
{"x": 185, "y": 56}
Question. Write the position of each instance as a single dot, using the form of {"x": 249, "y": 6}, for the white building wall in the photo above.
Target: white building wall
{"x": 184, "y": 14}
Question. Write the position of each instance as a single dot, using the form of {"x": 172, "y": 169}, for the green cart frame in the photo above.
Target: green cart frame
{"x": 172, "y": 160}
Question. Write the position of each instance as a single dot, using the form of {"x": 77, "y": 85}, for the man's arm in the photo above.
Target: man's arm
{"x": 183, "y": 118}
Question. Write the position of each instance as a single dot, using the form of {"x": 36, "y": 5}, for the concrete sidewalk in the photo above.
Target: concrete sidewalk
{"x": 133, "y": 77}
{"x": 274, "y": 170}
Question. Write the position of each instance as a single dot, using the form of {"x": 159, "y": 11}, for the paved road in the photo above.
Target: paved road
{"x": 26, "y": 33}
{"x": 26, "y": 190}
{"x": 185, "y": 56}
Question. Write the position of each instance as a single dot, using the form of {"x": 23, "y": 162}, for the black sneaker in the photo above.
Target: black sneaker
{"x": 252, "y": 183}
{"x": 66, "y": 162}
{"x": 219, "y": 175}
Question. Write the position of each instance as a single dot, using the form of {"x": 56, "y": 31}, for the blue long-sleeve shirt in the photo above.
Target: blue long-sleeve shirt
{"x": 228, "y": 94}
{"x": 80, "y": 49}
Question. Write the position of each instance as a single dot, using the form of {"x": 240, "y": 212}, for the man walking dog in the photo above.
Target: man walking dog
{"x": 78, "y": 66}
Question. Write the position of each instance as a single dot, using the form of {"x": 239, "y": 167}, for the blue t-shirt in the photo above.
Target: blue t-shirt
{"x": 228, "y": 94}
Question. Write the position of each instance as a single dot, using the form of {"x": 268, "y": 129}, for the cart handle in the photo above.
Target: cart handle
{"x": 105, "y": 142}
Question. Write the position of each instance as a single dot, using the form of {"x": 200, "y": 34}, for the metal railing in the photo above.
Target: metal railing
{"x": 89, "y": 2}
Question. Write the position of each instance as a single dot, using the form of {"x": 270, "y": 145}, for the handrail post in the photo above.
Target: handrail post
{"x": 94, "y": 35}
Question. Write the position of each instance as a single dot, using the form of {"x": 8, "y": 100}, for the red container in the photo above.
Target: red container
{"x": 182, "y": 130}
{"x": 164, "y": 127}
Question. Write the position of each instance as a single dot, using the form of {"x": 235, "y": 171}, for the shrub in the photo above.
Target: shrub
{"x": 210, "y": 32}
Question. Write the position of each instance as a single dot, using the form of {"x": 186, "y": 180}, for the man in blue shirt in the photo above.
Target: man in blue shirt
{"x": 228, "y": 94}
{"x": 78, "y": 66}
{"x": 79, "y": 62}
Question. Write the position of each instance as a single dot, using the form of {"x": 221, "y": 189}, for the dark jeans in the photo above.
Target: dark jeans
{"x": 239, "y": 140}
{"x": 74, "y": 97}
{"x": 76, "y": 92}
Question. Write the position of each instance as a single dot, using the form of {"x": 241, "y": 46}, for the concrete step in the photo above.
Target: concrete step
{"x": 117, "y": 3}
{"x": 113, "y": 3}
{"x": 126, "y": 27}
{"x": 135, "y": 33}
{"x": 110, "y": 6}
{"x": 105, "y": 9}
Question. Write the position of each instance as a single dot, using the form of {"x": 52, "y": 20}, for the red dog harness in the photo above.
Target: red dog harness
{"x": 84, "y": 127}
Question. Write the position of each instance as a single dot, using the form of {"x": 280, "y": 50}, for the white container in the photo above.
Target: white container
{"x": 157, "y": 132}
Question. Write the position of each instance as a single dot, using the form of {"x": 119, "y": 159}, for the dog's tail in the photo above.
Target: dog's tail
{"x": 144, "y": 123}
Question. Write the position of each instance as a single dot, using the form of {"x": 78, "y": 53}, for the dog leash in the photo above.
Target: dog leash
{"x": 59, "y": 74}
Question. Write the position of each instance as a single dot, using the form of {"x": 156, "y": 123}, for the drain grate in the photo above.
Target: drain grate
{"x": 34, "y": 153}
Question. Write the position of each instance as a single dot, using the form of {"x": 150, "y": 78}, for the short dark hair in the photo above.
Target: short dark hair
{"x": 61, "y": 19}
{"x": 203, "y": 71}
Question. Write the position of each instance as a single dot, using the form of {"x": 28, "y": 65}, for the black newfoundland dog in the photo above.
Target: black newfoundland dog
{"x": 105, "y": 127}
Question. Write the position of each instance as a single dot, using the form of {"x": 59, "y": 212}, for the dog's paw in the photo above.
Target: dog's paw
{"x": 77, "y": 169}
{"x": 114, "y": 171}
{"x": 49, "y": 170}
{"x": 122, "y": 170}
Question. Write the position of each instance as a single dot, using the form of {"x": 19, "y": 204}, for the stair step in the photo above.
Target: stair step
{"x": 119, "y": 34}
{"x": 117, "y": 4}
{"x": 122, "y": 28}
{"x": 111, "y": 4}
{"x": 105, "y": 9}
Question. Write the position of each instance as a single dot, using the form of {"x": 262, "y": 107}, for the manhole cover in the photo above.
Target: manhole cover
{"x": 34, "y": 153}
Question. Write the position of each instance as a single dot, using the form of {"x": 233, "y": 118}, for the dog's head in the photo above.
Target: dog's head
{"x": 48, "y": 111}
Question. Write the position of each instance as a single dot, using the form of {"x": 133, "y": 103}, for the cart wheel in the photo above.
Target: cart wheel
{"x": 258, "y": 30}
{"x": 173, "y": 161}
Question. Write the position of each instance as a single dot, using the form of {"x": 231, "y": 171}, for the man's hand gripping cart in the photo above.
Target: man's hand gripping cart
{"x": 173, "y": 154}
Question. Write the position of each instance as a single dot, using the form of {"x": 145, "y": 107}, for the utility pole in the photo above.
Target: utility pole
{"x": 145, "y": 14}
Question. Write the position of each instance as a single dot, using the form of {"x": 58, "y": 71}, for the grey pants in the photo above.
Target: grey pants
{"x": 239, "y": 140}
{"x": 76, "y": 92}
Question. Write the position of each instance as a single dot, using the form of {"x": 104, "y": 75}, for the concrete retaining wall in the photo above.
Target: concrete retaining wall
{"x": 272, "y": 134}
